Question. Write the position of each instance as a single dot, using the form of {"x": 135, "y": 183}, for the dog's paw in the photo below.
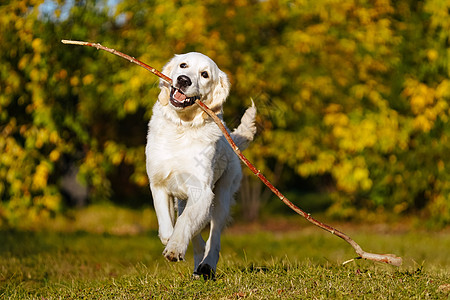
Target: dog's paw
{"x": 174, "y": 252}
{"x": 205, "y": 271}
{"x": 172, "y": 256}
{"x": 165, "y": 235}
{"x": 164, "y": 241}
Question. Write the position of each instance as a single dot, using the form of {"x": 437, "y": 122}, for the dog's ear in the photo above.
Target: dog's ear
{"x": 164, "y": 95}
{"x": 220, "y": 92}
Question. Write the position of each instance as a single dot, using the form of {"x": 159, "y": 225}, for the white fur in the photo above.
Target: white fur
{"x": 190, "y": 165}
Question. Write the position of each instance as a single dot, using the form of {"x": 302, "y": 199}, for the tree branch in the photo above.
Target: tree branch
{"x": 386, "y": 258}
{"x": 123, "y": 55}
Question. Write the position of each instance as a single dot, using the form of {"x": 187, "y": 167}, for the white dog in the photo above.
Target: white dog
{"x": 190, "y": 165}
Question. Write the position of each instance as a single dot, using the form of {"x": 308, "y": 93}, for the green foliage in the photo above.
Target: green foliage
{"x": 353, "y": 91}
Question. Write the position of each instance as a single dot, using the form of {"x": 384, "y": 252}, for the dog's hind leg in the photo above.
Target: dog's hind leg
{"x": 198, "y": 244}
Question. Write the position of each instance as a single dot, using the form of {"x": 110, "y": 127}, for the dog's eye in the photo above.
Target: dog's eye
{"x": 183, "y": 65}
{"x": 205, "y": 74}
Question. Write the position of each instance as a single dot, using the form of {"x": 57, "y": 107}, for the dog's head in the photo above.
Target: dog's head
{"x": 195, "y": 76}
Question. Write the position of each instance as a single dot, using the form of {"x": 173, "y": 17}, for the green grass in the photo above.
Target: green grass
{"x": 255, "y": 264}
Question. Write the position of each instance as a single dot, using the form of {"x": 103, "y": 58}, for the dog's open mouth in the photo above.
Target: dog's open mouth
{"x": 178, "y": 99}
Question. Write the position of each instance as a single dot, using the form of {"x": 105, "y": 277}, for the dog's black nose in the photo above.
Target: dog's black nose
{"x": 183, "y": 81}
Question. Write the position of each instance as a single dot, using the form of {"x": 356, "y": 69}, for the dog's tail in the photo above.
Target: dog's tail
{"x": 245, "y": 132}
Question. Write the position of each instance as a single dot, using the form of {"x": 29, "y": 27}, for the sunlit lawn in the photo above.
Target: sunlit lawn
{"x": 293, "y": 261}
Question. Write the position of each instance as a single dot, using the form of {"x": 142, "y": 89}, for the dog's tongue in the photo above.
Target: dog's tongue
{"x": 179, "y": 96}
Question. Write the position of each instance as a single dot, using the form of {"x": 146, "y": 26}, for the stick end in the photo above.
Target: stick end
{"x": 395, "y": 260}
{"x": 72, "y": 42}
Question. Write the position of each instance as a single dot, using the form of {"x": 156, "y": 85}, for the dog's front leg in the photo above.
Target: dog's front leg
{"x": 165, "y": 212}
{"x": 198, "y": 244}
{"x": 194, "y": 217}
{"x": 219, "y": 217}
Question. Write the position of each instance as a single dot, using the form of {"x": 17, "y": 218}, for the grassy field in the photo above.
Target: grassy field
{"x": 278, "y": 260}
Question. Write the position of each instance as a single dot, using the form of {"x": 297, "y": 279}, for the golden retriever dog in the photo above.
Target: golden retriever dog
{"x": 191, "y": 167}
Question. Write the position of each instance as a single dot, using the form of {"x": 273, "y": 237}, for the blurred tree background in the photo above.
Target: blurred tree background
{"x": 353, "y": 100}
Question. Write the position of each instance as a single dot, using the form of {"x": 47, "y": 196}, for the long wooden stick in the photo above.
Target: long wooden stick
{"x": 386, "y": 258}
{"x": 123, "y": 55}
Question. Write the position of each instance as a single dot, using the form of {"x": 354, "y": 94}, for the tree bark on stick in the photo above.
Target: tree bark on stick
{"x": 123, "y": 55}
{"x": 385, "y": 258}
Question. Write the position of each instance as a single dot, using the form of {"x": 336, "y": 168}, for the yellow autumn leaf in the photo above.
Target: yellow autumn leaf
{"x": 54, "y": 155}
{"x": 40, "y": 176}
{"x": 87, "y": 79}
